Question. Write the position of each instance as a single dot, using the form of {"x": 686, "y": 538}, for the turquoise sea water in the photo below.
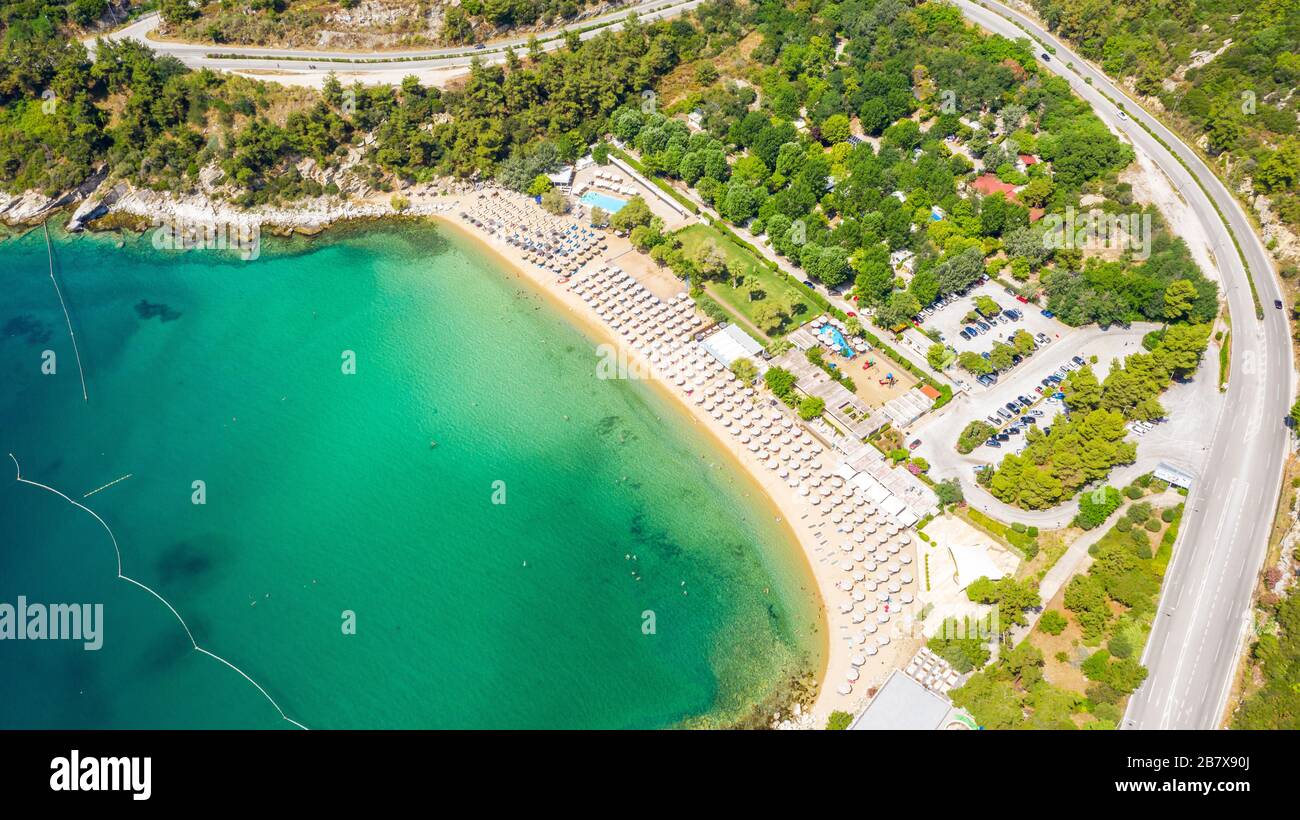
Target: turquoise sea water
{"x": 324, "y": 495}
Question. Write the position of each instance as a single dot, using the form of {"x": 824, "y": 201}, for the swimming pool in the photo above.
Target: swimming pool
{"x": 599, "y": 200}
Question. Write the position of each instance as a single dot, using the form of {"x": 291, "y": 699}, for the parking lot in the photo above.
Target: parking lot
{"x": 948, "y": 320}
{"x": 939, "y": 434}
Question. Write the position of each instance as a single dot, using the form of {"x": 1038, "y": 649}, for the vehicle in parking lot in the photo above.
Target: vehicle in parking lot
{"x": 1047, "y": 314}
{"x": 1002, "y": 411}
{"x": 916, "y": 442}
{"x": 992, "y": 443}
{"x": 1039, "y": 390}
{"x": 1003, "y": 436}
{"x": 1078, "y": 360}
{"x": 965, "y": 335}
{"x": 983, "y": 326}
{"x": 1029, "y": 420}
{"x": 1022, "y": 299}
{"x": 994, "y": 420}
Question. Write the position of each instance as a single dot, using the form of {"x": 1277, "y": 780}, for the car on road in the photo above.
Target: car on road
{"x": 916, "y": 442}
{"x": 1046, "y": 57}
{"x": 479, "y": 46}
{"x": 810, "y": 283}
{"x": 1277, "y": 303}
{"x": 1123, "y": 115}
{"x": 1078, "y": 360}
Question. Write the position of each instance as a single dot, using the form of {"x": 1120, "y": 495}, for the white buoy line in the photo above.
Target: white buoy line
{"x": 146, "y": 588}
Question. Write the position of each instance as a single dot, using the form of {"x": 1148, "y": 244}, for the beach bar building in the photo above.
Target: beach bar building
{"x": 731, "y": 343}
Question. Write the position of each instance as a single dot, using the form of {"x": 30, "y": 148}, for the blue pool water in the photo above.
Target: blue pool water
{"x": 840, "y": 342}
{"x": 599, "y": 200}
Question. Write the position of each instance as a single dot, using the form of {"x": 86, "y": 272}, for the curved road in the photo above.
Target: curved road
{"x": 382, "y": 66}
{"x": 1205, "y": 606}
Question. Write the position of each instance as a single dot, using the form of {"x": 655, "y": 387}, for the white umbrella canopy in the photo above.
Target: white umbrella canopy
{"x": 844, "y": 689}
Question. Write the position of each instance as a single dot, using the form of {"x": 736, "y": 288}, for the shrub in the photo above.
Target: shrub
{"x": 975, "y": 434}
{"x": 1032, "y": 532}
{"x": 1132, "y": 492}
{"x": 1094, "y": 668}
{"x": 1168, "y": 515}
{"x": 839, "y": 720}
{"x": 1096, "y": 506}
{"x": 1052, "y": 622}
{"x": 1152, "y": 525}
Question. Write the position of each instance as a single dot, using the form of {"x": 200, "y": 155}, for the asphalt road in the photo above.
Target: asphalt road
{"x": 388, "y": 65}
{"x": 1205, "y": 605}
{"x": 1206, "y": 602}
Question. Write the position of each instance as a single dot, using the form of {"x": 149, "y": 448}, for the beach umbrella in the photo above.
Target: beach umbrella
{"x": 906, "y": 577}
{"x": 846, "y": 565}
{"x": 844, "y": 689}
{"x": 857, "y": 660}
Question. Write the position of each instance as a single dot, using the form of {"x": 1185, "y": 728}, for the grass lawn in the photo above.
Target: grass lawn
{"x": 757, "y": 277}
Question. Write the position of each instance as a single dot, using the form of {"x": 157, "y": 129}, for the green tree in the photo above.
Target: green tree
{"x": 744, "y": 370}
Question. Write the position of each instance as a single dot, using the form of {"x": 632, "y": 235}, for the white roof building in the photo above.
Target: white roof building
{"x": 731, "y": 343}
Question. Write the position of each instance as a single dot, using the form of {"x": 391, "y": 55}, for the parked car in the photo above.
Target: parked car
{"x": 1003, "y": 436}
{"x": 1029, "y": 420}
{"x": 964, "y": 335}
{"x": 992, "y": 443}
{"x": 1022, "y": 300}
{"x": 995, "y": 421}
{"x": 1003, "y": 413}
{"x": 916, "y": 442}
{"x": 1078, "y": 360}
{"x": 1047, "y": 313}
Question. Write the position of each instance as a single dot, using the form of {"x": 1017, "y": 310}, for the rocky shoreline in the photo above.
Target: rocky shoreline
{"x": 100, "y": 205}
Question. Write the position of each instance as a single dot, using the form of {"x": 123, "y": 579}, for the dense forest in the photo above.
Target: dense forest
{"x": 1240, "y": 98}
{"x": 361, "y": 23}
{"x": 149, "y": 120}
{"x": 858, "y": 125}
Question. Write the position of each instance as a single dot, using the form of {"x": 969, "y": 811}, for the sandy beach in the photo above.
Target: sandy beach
{"x": 847, "y": 645}
{"x": 812, "y": 530}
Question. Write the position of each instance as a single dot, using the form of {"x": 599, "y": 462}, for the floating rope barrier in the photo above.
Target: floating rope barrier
{"x": 106, "y": 486}
{"x": 149, "y": 590}
{"x": 49, "y": 249}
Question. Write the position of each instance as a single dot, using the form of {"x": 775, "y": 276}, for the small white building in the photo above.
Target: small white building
{"x": 731, "y": 343}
